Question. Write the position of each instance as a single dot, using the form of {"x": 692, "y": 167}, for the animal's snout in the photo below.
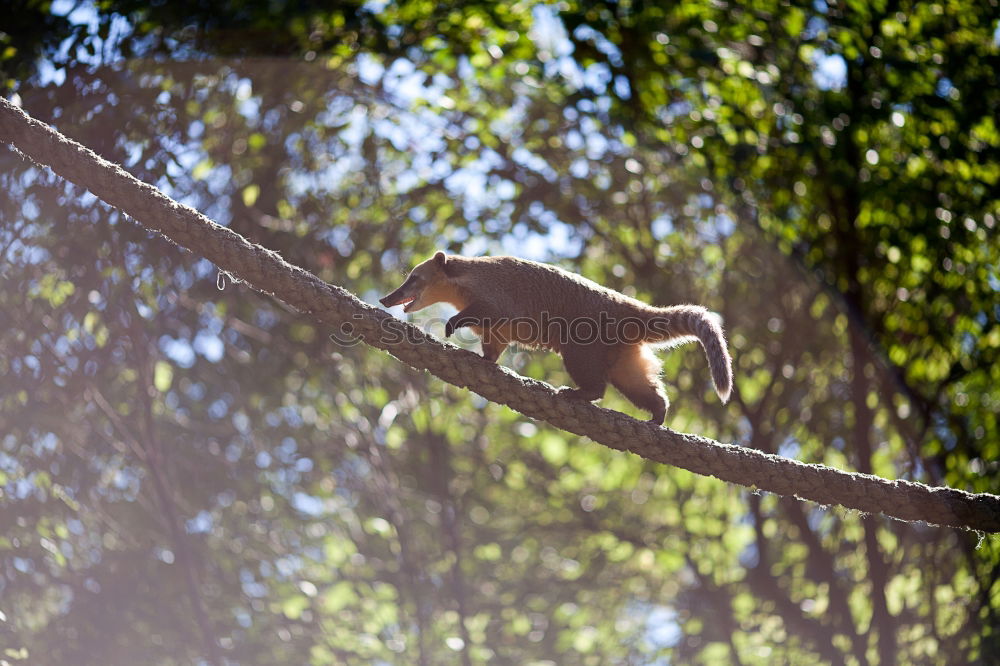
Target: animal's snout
{"x": 398, "y": 297}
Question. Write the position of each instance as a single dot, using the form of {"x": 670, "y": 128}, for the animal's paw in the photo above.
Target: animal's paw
{"x": 575, "y": 394}
{"x": 457, "y": 322}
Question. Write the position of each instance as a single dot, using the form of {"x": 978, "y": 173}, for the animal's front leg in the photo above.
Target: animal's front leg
{"x": 476, "y": 314}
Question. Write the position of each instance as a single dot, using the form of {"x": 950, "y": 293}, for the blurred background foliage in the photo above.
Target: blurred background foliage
{"x": 191, "y": 473}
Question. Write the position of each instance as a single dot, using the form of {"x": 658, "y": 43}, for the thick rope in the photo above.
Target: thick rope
{"x": 333, "y": 306}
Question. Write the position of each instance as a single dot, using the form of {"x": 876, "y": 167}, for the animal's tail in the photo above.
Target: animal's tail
{"x": 677, "y": 322}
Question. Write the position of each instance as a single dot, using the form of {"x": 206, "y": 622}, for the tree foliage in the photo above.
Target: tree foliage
{"x": 824, "y": 175}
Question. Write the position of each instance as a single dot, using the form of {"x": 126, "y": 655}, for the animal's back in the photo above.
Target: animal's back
{"x": 524, "y": 288}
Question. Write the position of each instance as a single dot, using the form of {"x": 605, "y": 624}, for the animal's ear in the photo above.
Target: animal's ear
{"x": 442, "y": 264}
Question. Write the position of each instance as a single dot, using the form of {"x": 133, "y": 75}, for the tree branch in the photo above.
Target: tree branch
{"x": 333, "y": 306}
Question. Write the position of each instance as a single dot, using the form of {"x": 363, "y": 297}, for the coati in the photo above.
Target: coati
{"x": 602, "y": 335}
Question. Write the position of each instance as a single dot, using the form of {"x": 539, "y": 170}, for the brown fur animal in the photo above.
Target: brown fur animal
{"x": 602, "y": 335}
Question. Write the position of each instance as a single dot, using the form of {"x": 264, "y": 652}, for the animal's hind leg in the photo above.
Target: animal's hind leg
{"x": 636, "y": 373}
{"x": 588, "y": 366}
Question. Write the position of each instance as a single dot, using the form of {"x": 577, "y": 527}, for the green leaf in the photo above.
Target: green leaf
{"x": 163, "y": 376}
{"x": 337, "y": 596}
{"x": 293, "y": 606}
{"x": 553, "y": 448}
{"x": 795, "y": 21}
{"x": 201, "y": 169}
{"x": 250, "y": 194}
